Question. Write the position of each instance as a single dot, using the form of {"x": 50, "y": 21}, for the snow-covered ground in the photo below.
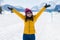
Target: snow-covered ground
{"x": 47, "y": 28}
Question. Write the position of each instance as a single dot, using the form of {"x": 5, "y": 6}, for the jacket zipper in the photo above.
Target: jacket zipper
{"x": 29, "y": 26}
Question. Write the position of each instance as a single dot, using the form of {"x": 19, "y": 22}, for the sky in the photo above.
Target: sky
{"x": 27, "y": 3}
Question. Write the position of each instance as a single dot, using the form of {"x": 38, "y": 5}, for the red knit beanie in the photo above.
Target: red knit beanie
{"x": 27, "y": 10}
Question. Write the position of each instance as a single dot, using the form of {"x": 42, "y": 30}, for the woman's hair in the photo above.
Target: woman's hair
{"x": 29, "y": 18}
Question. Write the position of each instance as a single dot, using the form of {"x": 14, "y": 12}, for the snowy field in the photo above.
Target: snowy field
{"x": 47, "y": 27}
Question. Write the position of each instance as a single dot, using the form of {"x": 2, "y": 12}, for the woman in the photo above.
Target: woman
{"x": 29, "y": 21}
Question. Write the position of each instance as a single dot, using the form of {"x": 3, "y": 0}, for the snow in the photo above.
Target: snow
{"x": 47, "y": 28}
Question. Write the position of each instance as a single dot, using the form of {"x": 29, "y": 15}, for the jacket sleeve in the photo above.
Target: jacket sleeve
{"x": 18, "y": 13}
{"x": 39, "y": 13}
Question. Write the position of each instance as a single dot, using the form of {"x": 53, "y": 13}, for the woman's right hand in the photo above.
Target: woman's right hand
{"x": 10, "y": 8}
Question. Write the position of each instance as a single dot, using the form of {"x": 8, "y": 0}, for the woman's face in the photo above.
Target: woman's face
{"x": 29, "y": 14}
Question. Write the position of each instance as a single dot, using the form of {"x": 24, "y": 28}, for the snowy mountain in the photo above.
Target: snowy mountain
{"x": 4, "y": 7}
{"x": 35, "y": 8}
{"x": 57, "y": 8}
{"x": 50, "y": 9}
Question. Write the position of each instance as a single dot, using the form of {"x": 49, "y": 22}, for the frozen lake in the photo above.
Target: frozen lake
{"x": 47, "y": 27}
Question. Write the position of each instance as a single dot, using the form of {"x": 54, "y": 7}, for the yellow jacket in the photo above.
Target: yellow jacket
{"x": 29, "y": 25}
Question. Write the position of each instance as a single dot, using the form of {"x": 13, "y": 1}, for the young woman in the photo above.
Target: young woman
{"x": 29, "y": 21}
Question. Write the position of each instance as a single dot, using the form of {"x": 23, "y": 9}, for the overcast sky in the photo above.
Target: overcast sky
{"x": 27, "y": 3}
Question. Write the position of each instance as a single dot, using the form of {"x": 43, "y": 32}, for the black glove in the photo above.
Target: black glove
{"x": 46, "y": 6}
{"x": 10, "y": 8}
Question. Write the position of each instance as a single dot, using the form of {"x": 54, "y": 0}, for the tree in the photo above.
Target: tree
{"x": 0, "y": 10}
{"x": 0, "y": 7}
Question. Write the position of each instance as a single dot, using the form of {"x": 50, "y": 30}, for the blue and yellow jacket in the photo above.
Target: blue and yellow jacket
{"x": 29, "y": 25}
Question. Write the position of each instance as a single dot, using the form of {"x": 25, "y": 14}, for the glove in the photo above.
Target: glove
{"x": 46, "y": 6}
{"x": 10, "y": 8}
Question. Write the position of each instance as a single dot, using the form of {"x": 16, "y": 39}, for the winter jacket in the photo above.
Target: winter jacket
{"x": 29, "y": 25}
